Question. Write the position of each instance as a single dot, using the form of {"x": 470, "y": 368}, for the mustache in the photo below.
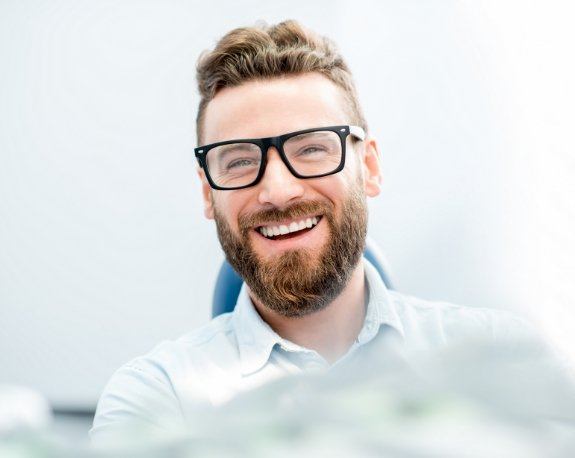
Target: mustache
{"x": 299, "y": 209}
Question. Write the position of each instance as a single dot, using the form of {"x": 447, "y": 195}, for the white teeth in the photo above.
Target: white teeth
{"x": 294, "y": 226}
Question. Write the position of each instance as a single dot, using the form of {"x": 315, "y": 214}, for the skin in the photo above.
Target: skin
{"x": 273, "y": 107}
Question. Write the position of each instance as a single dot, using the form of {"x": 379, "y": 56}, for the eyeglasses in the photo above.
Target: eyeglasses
{"x": 309, "y": 153}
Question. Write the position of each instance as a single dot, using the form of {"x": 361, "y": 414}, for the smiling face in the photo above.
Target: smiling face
{"x": 294, "y": 241}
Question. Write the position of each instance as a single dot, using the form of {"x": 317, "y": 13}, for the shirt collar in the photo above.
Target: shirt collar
{"x": 381, "y": 309}
{"x": 256, "y": 339}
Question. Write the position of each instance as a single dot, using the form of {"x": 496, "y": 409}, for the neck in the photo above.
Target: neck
{"x": 330, "y": 331}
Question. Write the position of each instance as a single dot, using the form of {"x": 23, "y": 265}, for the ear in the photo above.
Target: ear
{"x": 371, "y": 164}
{"x": 207, "y": 195}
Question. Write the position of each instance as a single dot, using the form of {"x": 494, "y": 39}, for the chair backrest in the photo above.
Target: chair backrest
{"x": 229, "y": 283}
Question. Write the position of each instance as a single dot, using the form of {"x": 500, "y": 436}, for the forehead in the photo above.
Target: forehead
{"x": 266, "y": 108}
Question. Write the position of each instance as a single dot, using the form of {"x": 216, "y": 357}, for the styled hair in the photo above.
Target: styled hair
{"x": 265, "y": 52}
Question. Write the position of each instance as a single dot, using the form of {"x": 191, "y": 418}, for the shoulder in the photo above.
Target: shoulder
{"x": 211, "y": 339}
{"x": 146, "y": 392}
{"x": 442, "y": 322}
{"x": 208, "y": 342}
{"x": 168, "y": 357}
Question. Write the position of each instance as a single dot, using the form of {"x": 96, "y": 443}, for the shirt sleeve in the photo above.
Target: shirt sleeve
{"x": 139, "y": 398}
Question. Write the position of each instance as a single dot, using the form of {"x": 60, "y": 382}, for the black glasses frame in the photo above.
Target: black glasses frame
{"x": 278, "y": 142}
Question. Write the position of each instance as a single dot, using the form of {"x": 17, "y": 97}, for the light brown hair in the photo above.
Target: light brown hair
{"x": 263, "y": 52}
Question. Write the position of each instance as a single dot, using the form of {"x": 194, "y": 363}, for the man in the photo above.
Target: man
{"x": 286, "y": 163}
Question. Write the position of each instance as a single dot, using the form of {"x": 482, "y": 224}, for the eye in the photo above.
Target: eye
{"x": 239, "y": 163}
{"x": 311, "y": 149}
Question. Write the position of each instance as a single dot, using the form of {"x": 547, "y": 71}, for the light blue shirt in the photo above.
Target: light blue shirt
{"x": 238, "y": 351}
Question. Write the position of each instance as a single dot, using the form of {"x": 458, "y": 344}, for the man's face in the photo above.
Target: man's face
{"x": 301, "y": 272}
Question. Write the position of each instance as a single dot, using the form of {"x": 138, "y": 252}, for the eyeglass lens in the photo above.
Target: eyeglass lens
{"x": 310, "y": 154}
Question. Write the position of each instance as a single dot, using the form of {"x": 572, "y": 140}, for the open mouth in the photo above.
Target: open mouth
{"x": 289, "y": 230}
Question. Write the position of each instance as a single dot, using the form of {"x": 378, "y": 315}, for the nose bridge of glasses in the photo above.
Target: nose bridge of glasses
{"x": 274, "y": 145}
{"x": 278, "y": 184}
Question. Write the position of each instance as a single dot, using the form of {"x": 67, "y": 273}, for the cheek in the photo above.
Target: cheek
{"x": 352, "y": 163}
{"x": 349, "y": 176}
{"x": 334, "y": 189}
{"x": 229, "y": 205}
{"x": 354, "y": 171}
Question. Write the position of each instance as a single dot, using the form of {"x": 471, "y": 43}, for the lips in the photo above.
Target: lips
{"x": 278, "y": 230}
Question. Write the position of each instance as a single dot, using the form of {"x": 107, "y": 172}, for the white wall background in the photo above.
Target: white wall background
{"x": 104, "y": 251}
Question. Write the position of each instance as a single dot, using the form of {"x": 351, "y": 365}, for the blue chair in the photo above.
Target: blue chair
{"x": 229, "y": 283}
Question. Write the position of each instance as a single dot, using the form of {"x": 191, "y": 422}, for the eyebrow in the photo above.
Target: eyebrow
{"x": 223, "y": 149}
{"x": 227, "y": 149}
{"x": 307, "y": 135}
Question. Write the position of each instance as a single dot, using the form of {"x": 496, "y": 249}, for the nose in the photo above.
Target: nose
{"x": 278, "y": 186}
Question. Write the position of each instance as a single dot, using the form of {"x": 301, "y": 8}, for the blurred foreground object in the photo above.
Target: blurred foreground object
{"x": 24, "y": 414}
{"x": 472, "y": 399}
{"x": 22, "y": 409}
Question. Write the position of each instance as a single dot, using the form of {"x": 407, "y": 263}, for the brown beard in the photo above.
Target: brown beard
{"x": 291, "y": 284}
